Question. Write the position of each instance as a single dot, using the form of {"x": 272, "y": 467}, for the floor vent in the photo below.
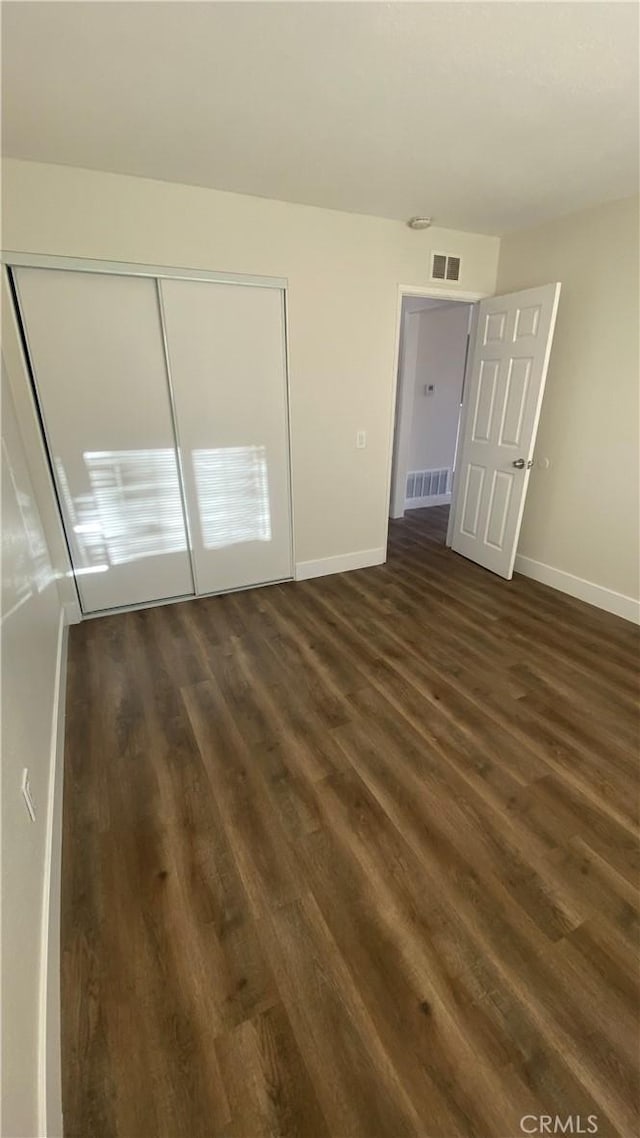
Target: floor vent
{"x": 428, "y": 483}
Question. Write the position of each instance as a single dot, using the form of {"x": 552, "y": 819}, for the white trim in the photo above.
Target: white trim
{"x": 431, "y": 291}
{"x": 49, "y": 1053}
{"x": 72, "y": 612}
{"x": 392, "y": 409}
{"x": 462, "y": 421}
{"x": 598, "y": 595}
{"x": 429, "y": 500}
{"x": 343, "y": 563}
{"x": 131, "y": 269}
{"x": 289, "y": 401}
{"x": 405, "y": 397}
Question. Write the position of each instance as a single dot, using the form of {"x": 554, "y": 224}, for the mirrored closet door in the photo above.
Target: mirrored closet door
{"x": 226, "y": 350}
{"x": 96, "y": 349}
{"x": 164, "y": 410}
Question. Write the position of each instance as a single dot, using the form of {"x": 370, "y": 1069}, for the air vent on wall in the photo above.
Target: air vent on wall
{"x": 427, "y": 483}
{"x": 445, "y": 267}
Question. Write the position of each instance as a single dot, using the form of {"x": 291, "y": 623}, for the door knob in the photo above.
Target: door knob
{"x": 520, "y": 463}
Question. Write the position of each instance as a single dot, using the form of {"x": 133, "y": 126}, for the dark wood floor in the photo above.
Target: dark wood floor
{"x": 352, "y": 857}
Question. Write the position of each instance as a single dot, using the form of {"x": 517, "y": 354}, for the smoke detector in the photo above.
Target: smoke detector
{"x": 419, "y": 222}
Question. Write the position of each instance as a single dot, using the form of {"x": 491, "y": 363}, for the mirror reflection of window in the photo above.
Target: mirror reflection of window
{"x": 137, "y": 509}
{"x": 233, "y": 495}
{"x": 133, "y": 510}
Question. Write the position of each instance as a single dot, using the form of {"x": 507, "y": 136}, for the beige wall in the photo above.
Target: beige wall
{"x": 582, "y": 513}
{"x": 442, "y": 340}
{"x": 343, "y": 271}
{"x": 31, "y": 646}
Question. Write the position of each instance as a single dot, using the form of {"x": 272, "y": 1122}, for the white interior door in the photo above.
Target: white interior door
{"x": 95, "y": 343}
{"x": 226, "y": 348}
{"x": 502, "y": 409}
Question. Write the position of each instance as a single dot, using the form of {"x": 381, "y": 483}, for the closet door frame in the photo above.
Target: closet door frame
{"x": 11, "y": 259}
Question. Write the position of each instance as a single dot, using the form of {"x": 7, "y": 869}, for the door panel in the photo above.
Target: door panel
{"x": 486, "y": 397}
{"x": 515, "y": 402}
{"x": 227, "y": 362}
{"x": 498, "y": 508}
{"x": 472, "y": 499}
{"x": 95, "y": 343}
{"x": 508, "y": 372}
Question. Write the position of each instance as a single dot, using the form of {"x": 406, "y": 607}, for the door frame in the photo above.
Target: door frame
{"x": 429, "y": 292}
{"x": 132, "y": 269}
{"x": 464, "y": 409}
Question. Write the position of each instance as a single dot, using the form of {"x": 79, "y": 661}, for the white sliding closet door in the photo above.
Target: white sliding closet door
{"x": 227, "y": 364}
{"x": 95, "y": 342}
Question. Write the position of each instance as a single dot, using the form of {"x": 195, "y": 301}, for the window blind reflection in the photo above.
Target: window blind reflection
{"x": 135, "y": 508}
{"x": 233, "y": 495}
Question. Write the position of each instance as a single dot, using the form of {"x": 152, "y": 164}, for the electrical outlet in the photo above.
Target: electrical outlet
{"x": 26, "y": 794}
{"x": 361, "y": 440}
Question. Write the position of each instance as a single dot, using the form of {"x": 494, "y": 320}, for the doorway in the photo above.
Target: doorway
{"x": 433, "y": 350}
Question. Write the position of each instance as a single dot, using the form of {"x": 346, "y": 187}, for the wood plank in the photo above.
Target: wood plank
{"x": 356, "y": 856}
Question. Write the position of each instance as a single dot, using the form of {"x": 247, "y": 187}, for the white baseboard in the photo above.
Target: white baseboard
{"x": 49, "y": 1055}
{"x": 597, "y": 595}
{"x": 72, "y": 613}
{"x": 340, "y": 564}
{"x": 430, "y": 500}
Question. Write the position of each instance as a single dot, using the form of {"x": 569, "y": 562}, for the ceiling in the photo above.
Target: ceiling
{"x": 487, "y": 116}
